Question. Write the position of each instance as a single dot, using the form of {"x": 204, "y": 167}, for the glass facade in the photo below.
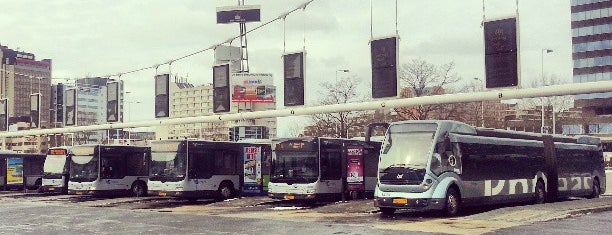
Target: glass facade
{"x": 592, "y": 57}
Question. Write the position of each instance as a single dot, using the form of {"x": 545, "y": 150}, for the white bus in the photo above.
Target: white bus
{"x": 196, "y": 169}
{"x": 56, "y": 170}
{"x": 318, "y": 168}
{"x": 104, "y": 170}
{"x": 445, "y": 165}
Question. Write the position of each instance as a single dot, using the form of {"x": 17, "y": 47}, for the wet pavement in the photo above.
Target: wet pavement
{"x": 268, "y": 214}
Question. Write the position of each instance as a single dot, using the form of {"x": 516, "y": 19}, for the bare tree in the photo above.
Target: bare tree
{"x": 421, "y": 78}
{"x": 553, "y": 106}
{"x": 337, "y": 124}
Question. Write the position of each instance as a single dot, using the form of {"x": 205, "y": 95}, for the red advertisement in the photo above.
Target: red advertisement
{"x": 354, "y": 171}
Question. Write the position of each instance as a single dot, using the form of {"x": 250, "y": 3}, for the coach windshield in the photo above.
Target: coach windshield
{"x": 407, "y": 145}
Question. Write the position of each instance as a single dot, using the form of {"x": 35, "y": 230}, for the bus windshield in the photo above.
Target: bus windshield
{"x": 83, "y": 168}
{"x": 55, "y": 164}
{"x": 406, "y": 147}
{"x": 295, "y": 166}
{"x": 169, "y": 166}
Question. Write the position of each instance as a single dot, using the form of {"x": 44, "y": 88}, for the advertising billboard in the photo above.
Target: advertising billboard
{"x": 3, "y": 114}
{"x": 501, "y": 53}
{"x": 221, "y": 91}
{"x": 293, "y": 67}
{"x": 384, "y": 67}
{"x": 354, "y": 168}
{"x": 252, "y": 170}
{"x": 252, "y": 87}
{"x": 71, "y": 107}
{"x": 35, "y": 110}
{"x": 238, "y": 14}
{"x": 112, "y": 102}
{"x": 14, "y": 171}
{"x": 162, "y": 95}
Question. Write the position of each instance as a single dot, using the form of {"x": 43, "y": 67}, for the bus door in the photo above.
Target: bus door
{"x": 112, "y": 170}
{"x": 3, "y": 171}
{"x": 331, "y": 168}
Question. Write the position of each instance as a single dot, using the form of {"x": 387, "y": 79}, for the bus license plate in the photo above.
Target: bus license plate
{"x": 289, "y": 197}
{"x": 51, "y": 189}
{"x": 163, "y": 194}
{"x": 403, "y": 201}
{"x": 79, "y": 193}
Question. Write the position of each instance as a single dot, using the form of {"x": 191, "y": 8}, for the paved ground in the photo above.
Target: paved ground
{"x": 35, "y": 213}
{"x": 598, "y": 223}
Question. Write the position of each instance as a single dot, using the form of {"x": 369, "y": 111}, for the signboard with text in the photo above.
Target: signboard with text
{"x": 384, "y": 67}
{"x": 162, "y": 95}
{"x": 238, "y": 14}
{"x": 221, "y": 92}
{"x": 501, "y": 53}
{"x": 293, "y": 67}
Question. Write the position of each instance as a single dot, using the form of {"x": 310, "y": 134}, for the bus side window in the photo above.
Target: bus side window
{"x": 225, "y": 163}
{"x": 331, "y": 165}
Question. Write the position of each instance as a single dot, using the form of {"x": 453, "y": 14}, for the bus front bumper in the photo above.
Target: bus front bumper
{"x": 184, "y": 194}
{"x": 52, "y": 189}
{"x": 97, "y": 192}
{"x": 416, "y": 204}
{"x": 291, "y": 196}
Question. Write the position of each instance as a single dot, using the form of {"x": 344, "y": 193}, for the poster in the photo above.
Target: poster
{"x": 253, "y": 87}
{"x": 354, "y": 171}
{"x": 252, "y": 170}
{"x": 14, "y": 171}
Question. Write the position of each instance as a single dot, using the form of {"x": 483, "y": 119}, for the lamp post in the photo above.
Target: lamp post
{"x": 341, "y": 70}
{"x": 481, "y": 106}
{"x": 543, "y": 83}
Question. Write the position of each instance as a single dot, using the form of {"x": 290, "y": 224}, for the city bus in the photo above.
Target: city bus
{"x": 319, "y": 168}
{"x": 56, "y": 170}
{"x": 196, "y": 169}
{"x": 20, "y": 170}
{"x": 446, "y": 165}
{"x": 109, "y": 170}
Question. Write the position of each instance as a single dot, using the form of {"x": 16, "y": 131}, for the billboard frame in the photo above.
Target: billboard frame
{"x": 518, "y": 52}
{"x": 397, "y": 83}
{"x": 303, "y": 77}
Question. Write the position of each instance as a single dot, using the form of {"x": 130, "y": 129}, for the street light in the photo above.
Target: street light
{"x": 341, "y": 70}
{"x": 543, "y": 83}
{"x": 481, "y": 106}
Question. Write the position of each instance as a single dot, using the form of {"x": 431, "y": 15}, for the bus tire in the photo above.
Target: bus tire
{"x": 539, "y": 196}
{"x": 139, "y": 189}
{"x": 596, "y": 189}
{"x": 388, "y": 211}
{"x": 225, "y": 191}
{"x": 452, "y": 202}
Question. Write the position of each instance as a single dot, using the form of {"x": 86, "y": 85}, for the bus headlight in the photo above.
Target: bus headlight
{"x": 427, "y": 184}
{"x": 310, "y": 191}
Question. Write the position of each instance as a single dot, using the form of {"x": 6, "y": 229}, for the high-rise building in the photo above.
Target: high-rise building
{"x": 21, "y": 75}
{"x": 592, "y": 55}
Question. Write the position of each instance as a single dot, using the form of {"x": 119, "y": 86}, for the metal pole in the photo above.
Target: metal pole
{"x": 496, "y": 95}
{"x": 542, "y": 76}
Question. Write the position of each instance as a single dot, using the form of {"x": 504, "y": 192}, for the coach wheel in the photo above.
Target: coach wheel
{"x": 138, "y": 189}
{"x": 596, "y": 189}
{"x": 226, "y": 191}
{"x": 452, "y": 203}
{"x": 387, "y": 211}
{"x": 540, "y": 193}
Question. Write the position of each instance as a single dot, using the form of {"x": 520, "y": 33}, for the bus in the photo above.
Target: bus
{"x": 319, "y": 168}
{"x": 20, "y": 170}
{"x": 196, "y": 169}
{"x": 109, "y": 170}
{"x": 56, "y": 170}
{"x": 446, "y": 165}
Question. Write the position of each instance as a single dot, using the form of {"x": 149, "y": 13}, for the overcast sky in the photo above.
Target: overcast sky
{"x": 96, "y": 38}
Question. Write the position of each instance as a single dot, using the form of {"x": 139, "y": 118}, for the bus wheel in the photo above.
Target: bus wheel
{"x": 138, "y": 189}
{"x": 226, "y": 191}
{"x": 388, "y": 211}
{"x": 452, "y": 203}
{"x": 540, "y": 193}
{"x": 596, "y": 189}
